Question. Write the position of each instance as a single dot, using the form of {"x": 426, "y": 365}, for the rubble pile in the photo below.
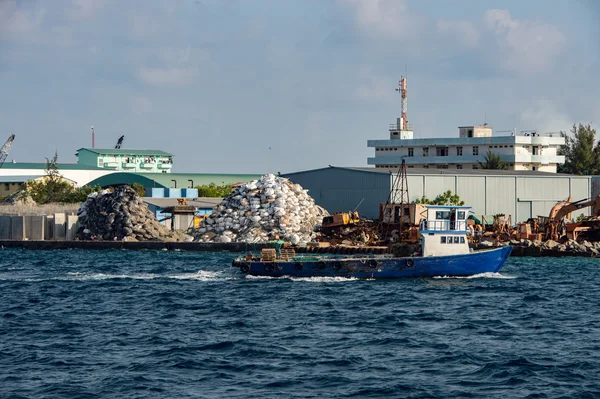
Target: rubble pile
{"x": 573, "y": 246}
{"x": 21, "y": 197}
{"x": 263, "y": 210}
{"x": 120, "y": 215}
{"x": 364, "y": 233}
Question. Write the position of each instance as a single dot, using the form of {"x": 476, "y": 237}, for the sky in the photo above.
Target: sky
{"x": 257, "y": 86}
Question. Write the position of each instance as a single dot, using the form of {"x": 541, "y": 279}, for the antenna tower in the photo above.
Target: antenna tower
{"x": 403, "y": 94}
{"x": 93, "y": 139}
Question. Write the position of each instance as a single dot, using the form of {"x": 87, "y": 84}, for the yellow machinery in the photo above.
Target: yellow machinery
{"x": 340, "y": 219}
{"x": 198, "y": 219}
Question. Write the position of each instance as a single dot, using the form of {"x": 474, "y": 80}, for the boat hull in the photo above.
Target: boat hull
{"x": 478, "y": 262}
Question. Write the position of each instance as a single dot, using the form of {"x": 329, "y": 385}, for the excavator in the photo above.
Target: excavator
{"x": 555, "y": 224}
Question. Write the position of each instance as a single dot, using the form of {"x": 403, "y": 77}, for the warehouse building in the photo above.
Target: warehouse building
{"x": 520, "y": 194}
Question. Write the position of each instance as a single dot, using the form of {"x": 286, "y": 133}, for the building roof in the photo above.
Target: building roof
{"x": 18, "y": 179}
{"x": 203, "y": 202}
{"x": 42, "y": 165}
{"x": 25, "y": 178}
{"x": 113, "y": 151}
{"x": 435, "y": 171}
{"x": 169, "y": 180}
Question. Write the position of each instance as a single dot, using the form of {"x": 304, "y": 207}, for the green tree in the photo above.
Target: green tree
{"x": 446, "y": 198}
{"x": 139, "y": 189}
{"x": 581, "y": 156}
{"x": 54, "y": 188}
{"x": 212, "y": 190}
{"x": 493, "y": 161}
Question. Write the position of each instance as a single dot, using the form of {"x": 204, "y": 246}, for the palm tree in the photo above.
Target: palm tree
{"x": 493, "y": 161}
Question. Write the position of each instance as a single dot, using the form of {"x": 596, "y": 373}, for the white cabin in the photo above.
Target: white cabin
{"x": 444, "y": 230}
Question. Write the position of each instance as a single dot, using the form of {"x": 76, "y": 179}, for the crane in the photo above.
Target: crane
{"x": 5, "y": 148}
{"x": 119, "y": 142}
{"x": 567, "y": 209}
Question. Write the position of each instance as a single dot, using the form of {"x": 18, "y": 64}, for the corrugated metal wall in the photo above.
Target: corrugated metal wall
{"x": 339, "y": 190}
{"x": 595, "y": 186}
{"x": 519, "y": 196}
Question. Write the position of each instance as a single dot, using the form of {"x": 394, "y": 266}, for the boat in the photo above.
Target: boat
{"x": 443, "y": 251}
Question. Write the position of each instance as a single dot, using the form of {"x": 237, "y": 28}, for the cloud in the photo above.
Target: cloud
{"x": 529, "y": 46}
{"x": 173, "y": 67}
{"x": 83, "y": 9}
{"x": 18, "y": 21}
{"x": 463, "y": 32}
{"x": 372, "y": 87}
{"x": 386, "y": 18}
{"x": 140, "y": 105}
{"x": 143, "y": 27}
{"x": 544, "y": 115}
{"x": 167, "y": 77}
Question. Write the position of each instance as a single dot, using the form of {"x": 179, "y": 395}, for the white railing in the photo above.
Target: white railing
{"x": 444, "y": 225}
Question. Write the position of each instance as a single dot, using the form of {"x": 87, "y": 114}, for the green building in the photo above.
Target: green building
{"x": 145, "y": 161}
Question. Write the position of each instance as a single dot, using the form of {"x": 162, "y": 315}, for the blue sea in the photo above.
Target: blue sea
{"x": 159, "y": 324}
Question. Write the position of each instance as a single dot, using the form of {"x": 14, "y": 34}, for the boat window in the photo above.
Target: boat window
{"x": 449, "y": 240}
{"x": 461, "y": 215}
{"x": 444, "y": 215}
{"x": 456, "y": 240}
{"x": 462, "y": 240}
{"x": 442, "y": 240}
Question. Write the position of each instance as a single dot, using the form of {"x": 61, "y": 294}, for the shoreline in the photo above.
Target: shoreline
{"x": 518, "y": 251}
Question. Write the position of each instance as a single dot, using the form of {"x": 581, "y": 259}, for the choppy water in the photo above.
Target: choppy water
{"x": 122, "y": 324}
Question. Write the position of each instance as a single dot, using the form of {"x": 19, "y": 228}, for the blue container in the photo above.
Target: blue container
{"x": 155, "y": 192}
{"x": 191, "y": 193}
{"x": 174, "y": 193}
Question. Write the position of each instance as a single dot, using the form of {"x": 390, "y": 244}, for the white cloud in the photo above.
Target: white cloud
{"x": 530, "y": 45}
{"x": 372, "y": 87}
{"x": 167, "y": 77}
{"x": 140, "y": 105}
{"x": 179, "y": 67}
{"x": 17, "y": 21}
{"x": 464, "y": 32}
{"x": 143, "y": 27}
{"x": 544, "y": 115}
{"x": 83, "y": 9}
{"x": 386, "y": 18}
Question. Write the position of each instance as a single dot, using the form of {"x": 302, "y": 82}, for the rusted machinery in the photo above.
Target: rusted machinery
{"x": 403, "y": 218}
{"x": 555, "y": 227}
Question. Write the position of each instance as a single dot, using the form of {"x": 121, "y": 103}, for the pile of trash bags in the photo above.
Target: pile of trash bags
{"x": 271, "y": 208}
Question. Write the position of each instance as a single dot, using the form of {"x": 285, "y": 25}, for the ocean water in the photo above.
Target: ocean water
{"x": 158, "y": 324}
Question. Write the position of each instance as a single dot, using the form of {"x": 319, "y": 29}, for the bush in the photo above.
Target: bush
{"x": 446, "y": 198}
{"x": 212, "y": 190}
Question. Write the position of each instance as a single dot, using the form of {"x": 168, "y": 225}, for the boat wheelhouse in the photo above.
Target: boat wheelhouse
{"x": 444, "y": 230}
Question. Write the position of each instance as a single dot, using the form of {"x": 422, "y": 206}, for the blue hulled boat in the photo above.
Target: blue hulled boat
{"x": 444, "y": 251}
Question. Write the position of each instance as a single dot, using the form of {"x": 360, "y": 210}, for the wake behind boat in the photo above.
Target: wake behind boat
{"x": 444, "y": 251}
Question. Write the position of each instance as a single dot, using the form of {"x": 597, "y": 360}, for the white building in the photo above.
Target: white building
{"x": 521, "y": 151}
{"x": 80, "y": 175}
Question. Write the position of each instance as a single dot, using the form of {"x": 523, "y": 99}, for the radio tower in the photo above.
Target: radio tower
{"x": 402, "y": 90}
{"x": 93, "y": 140}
